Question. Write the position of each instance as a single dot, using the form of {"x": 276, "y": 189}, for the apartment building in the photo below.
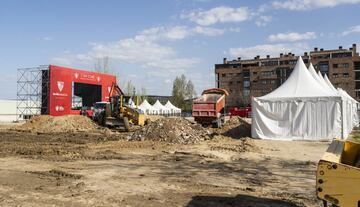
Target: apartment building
{"x": 259, "y": 76}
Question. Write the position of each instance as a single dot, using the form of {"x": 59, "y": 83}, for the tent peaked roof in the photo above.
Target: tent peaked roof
{"x": 299, "y": 84}
{"x": 146, "y": 106}
{"x": 171, "y": 106}
{"x": 158, "y": 105}
{"x": 329, "y": 83}
{"x": 145, "y": 103}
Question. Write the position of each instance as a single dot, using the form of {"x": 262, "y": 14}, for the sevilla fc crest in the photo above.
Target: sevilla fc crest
{"x": 60, "y": 85}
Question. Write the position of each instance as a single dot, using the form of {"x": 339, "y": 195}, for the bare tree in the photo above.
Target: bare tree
{"x": 143, "y": 94}
{"x": 102, "y": 65}
{"x": 130, "y": 89}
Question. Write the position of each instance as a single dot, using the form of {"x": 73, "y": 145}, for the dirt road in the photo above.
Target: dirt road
{"x": 93, "y": 170}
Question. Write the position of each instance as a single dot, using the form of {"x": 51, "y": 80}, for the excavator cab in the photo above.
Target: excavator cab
{"x": 117, "y": 113}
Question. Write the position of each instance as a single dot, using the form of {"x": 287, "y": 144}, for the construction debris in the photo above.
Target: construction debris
{"x": 235, "y": 127}
{"x": 172, "y": 130}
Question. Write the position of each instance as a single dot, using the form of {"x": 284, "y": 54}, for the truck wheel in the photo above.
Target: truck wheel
{"x": 126, "y": 124}
{"x": 217, "y": 123}
{"x": 101, "y": 119}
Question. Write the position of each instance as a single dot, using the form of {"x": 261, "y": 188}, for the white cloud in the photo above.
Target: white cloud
{"x": 220, "y": 14}
{"x": 291, "y": 37}
{"x": 168, "y": 33}
{"x": 268, "y": 49}
{"x": 45, "y": 38}
{"x": 177, "y": 32}
{"x": 263, "y": 20}
{"x": 301, "y": 5}
{"x": 354, "y": 29}
{"x": 142, "y": 49}
{"x": 208, "y": 31}
{"x": 234, "y": 29}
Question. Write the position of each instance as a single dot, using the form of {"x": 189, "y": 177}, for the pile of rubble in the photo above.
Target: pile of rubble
{"x": 172, "y": 130}
{"x": 58, "y": 124}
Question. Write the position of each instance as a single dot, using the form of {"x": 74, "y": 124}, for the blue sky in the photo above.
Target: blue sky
{"x": 151, "y": 42}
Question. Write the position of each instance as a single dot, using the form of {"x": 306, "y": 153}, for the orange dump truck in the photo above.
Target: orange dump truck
{"x": 209, "y": 109}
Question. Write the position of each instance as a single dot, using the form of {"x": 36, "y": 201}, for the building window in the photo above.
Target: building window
{"x": 246, "y": 73}
{"x": 335, "y": 65}
{"x": 238, "y": 74}
{"x": 246, "y": 83}
{"x": 263, "y": 82}
{"x": 357, "y": 94}
{"x": 341, "y": 55}
{"x": 254, "y": 73}
{"x": 357, "y": 75}
{"x": 246, "y": 93}
{"x": 335, "y": 75}
{"x": 272, "y": 81}
{"x": 357, "y": 84}
{"x": 230, "y": 83}
{"x": 223, "y": 75}
{"x": 345, "y": 75}
{"x": 267, "y": 73}
{"x": 324, "y": 67}
{"x": 292, "y": 62}
{"x": 238, "y": 81}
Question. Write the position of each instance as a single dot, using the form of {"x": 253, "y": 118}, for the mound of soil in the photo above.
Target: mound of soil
{"x": 58, "y": 124}
{"x": 173, "y": 130}
{"x": 236, "y": 128}
{"x": 224, "y": 143}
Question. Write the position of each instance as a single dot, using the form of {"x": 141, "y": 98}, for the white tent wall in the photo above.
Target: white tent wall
{"x": 352, "y": 109}
{"x": 309, "y": 119}
{"x": 301, "y": 108}
{"x": 147, "y": 108}
{"x": 347, "y": 108}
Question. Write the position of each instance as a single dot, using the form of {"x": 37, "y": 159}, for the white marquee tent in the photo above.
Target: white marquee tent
{"x": 161, "y": 108}
{"x": 173, "y": 109}
{"x": 148, "y": 108}
{"x": 301, "y": 108}
{"x": 131, "y": 103}
{"x": 351, "y": 103}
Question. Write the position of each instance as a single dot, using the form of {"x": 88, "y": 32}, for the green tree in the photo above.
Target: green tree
{"x": 182, "y": 90}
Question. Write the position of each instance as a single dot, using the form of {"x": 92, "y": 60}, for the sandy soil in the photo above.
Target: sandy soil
{"x": 92, "y": 170}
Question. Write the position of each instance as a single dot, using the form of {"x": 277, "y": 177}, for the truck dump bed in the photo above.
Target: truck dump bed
{"x": 209, "y": 106}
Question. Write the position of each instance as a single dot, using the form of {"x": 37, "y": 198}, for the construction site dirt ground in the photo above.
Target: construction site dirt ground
{"x": 90, "y": 169}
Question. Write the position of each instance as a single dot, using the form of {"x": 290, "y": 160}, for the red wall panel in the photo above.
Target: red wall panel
{"x": 60, "y": 93}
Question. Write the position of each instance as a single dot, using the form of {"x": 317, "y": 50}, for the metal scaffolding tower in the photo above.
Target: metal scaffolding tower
{"x": 32, "y": 91}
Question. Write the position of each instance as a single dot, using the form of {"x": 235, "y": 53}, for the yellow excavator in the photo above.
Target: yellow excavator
{"x": 118, "y": 113}
{"x": 338, "y": 174}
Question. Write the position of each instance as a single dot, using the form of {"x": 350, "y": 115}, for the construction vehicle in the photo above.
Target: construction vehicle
{"x": 241, "y": 112}
{"x": 209, "y": 109}
{"x": 338, "y": 174}
{"x": 117, "y": 113}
